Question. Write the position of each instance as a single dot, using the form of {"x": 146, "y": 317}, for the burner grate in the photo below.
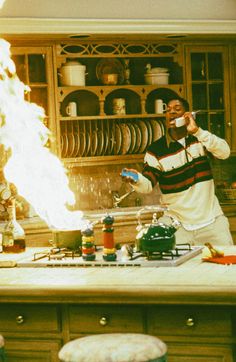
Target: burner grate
{"x": 61, "y": 257}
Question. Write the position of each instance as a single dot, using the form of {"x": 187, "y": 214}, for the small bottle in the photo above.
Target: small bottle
{"x": 13, "y": 236}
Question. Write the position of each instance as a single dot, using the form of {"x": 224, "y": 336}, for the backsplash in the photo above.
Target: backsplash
{"x": 95, "y": 188}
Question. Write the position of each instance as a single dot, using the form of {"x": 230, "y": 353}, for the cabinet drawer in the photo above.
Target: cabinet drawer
{"x": 199, "y": 353}
{"x": 29, "y": 318}
{"x": 105, "y": 319}
{"x": 24, "y": 350}
{"x": 189, "y": 320}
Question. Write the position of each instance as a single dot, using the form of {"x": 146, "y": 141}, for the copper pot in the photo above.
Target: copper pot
{"x": 109, "y": 78}
{"x": 70, "y": 239}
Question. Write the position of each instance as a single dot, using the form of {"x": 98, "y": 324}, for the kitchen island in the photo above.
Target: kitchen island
{"x": 192, "y": 307}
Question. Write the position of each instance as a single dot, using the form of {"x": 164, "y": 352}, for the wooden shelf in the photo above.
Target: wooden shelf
{"x": 126, "y": 116}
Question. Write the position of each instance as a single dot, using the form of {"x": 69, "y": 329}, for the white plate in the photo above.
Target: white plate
{"x": 132, "y": 138}
{"x": 126, "y": 138}
{"x": 65, "y": 142}
{"x": 75, "y": 152}
{"x": 87, "y": 143}
{"x": 144, "y": 137}
{"x": 94, "y": 138}
{"x": 157, "y": 131}
{"x": 71, "y": 144}
{"x": 82, "y": 140}
{"x": 100, "y": 136}
{"x": 149, "y": 128}
{"x": 106, "y": 137}
{"x": 138, "y": 138}
{"x": 118, "y": 139}
{"x": 62, "y": 144}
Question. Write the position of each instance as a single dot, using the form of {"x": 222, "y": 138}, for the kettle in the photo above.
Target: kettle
{"x": 157, "y": 236}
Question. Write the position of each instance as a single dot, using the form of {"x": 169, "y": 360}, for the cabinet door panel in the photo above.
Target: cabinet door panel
{"x": 199, "y": 353}
{"x": 32, "y": 351}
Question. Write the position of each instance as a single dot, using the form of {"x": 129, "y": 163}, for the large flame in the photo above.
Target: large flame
{"x": 36, "y": 172}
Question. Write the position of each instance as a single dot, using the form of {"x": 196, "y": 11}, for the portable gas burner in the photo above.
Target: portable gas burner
{"x": 62, "y": 257}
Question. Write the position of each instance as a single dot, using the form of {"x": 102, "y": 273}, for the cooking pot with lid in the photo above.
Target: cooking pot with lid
{"x": 72, "y": 73}
{"x": 157, "y": 236}
{"x": 70, "y": 239}
{"x": 155, "y": 70}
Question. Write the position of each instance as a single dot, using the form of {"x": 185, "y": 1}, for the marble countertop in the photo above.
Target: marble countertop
{"x": 193, "y": 282}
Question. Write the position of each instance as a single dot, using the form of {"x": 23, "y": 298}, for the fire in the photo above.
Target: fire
{"x": 36, "y": 172}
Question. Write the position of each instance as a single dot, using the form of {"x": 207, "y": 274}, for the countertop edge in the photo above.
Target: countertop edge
{"x": 140, "y": 294}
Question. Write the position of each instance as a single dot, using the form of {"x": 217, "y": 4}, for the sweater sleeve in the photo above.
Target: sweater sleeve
{"x": 143, "y": 186}
{"x": 215, "y": 145}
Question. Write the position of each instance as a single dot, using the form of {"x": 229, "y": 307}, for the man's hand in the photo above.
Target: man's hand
{"x": 191, "y": 125}
{"x": 129, "y": 175}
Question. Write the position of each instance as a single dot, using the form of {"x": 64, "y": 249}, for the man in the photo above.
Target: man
{"x": 179, "y": 162}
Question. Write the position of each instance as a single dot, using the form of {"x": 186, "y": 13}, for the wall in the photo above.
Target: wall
{"x": 124, "y": 9}
{"x": 113, "y": 16}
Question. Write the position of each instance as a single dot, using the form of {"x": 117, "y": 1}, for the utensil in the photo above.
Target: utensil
{"x": 160, "y": 106}
{"x": 71, "y": 109}
{"x": 119, "y": 106}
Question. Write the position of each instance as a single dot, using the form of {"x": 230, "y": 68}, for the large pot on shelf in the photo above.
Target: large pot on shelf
{"x": 72, "y": 73}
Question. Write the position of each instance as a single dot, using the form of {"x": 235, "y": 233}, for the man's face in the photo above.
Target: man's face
{"x": 174, "y": 110}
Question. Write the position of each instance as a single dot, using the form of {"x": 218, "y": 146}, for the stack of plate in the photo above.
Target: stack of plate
{"x": 100, "y": 138}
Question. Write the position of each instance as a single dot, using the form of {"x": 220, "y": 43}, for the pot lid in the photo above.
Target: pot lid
{"x": 155, "y": 74}
{"x": 72, "y": 63}
{"x": 156, "y": 70}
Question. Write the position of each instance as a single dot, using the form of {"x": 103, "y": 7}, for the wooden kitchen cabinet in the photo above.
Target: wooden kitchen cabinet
{"x": 32, "y": 332}
{"x": 32, "y": 350}
{"x": 34, "y": 67}
{"x": 187, "y": 352}
{"x": 232, "y": 83}
{"x": 208, "y": 87}
{"x": 105, "y": 319}
{"x": 193, "y": 333}
{"x": 96, "y": 134}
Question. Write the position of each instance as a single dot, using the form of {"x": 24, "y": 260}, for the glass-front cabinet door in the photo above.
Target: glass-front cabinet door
{"x": 208, "y": 87}
{"x": 34, "y": 68}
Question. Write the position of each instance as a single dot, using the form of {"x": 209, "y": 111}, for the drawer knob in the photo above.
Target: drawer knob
{"x": 20, "y": 319}
{"x": 103, "y": 321}
{"x": 190, "y": 322}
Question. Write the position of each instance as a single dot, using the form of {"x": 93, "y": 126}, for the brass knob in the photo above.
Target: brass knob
{"x": 103, "y": 321}
{"x": 190, "y": 322}
{"x": 20, "y": 319}
{"x": 229, "y": 124}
